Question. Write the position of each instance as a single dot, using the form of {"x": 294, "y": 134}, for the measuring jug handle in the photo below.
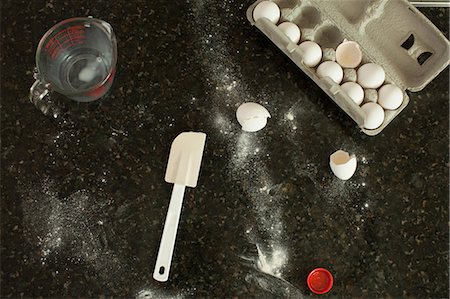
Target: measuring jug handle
{"x": 40, "y": 97}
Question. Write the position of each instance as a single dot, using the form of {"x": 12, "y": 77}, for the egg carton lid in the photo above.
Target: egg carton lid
{"x": 393, "y": 34}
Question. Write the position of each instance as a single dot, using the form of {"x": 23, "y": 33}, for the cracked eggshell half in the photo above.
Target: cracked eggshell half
{"x": 252, "y": 116}
{"x": 348, "y": 54}
{"x": 343, "y": 165}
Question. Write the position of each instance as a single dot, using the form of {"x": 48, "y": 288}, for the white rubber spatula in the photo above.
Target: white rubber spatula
{"x": 182, "y": 170}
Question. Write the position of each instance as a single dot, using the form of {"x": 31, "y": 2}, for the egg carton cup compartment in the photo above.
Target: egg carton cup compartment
{"x": 412, "y": 52}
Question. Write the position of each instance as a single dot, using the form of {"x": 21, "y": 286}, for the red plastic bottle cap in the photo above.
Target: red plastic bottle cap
{"x": 320, "y": 281}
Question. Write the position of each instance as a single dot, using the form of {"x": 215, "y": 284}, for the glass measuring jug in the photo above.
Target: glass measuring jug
{"x": 77, "y": 58}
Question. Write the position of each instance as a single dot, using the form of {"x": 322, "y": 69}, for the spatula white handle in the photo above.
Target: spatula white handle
{"x": 164, "y": 259}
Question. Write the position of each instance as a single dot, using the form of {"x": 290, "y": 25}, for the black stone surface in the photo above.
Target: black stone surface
{"x": 83, "y": 196}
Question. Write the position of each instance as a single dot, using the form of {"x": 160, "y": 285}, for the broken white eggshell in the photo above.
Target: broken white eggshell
{"x": 348, "y": 54}
{"x": 343, "y": 165}
{"x": 252, "y": 116}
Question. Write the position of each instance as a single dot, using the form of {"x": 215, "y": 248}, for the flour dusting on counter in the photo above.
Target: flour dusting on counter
{"x": 227, "y": 91}
{"x": 274, "y": 263}
{"x": 268, "y": 232}
{"x": 67, "y": 226}
{"x": 148, "y": 293}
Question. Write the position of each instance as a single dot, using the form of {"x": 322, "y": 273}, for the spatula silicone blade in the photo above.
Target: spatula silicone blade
{"x": 182, "y": 170}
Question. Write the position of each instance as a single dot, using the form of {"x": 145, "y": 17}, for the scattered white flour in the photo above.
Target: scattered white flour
{"x": 69, "y": 226}
{"x": 274, "y": 263}
{"x": 227, "y": 91}
{"x": 290, "y": 115}
{"x": 223, "y": 124}
{"x": 147, "y": 293}
{"x": 247, "y": 165}
{"x": 227, "y": 88}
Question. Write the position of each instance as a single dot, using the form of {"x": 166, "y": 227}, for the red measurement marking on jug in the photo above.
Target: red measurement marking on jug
{"x": 65, "y": 39}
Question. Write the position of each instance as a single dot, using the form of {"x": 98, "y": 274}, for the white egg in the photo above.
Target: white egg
{"x": 311, "y": 53}
{"x": 348, "y": 54}
{"x": 252, "y": 116}
{"x": 390, "y": 97}
{"x": 374, "y": 115}
{"x": 330, "y": 69}
{"x": 354, "y": 91}
{"x": 291, "y": 30}
{"x": 370, "y": 75}
{"x": 267, "y": 9}
{"x": 343, "y": 165}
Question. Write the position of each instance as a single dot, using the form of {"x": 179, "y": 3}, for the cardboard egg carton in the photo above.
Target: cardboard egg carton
{"x": 391, "y": 33}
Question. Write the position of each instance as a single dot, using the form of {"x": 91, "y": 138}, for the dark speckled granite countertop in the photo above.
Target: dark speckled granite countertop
{"x": 83, "y": 197}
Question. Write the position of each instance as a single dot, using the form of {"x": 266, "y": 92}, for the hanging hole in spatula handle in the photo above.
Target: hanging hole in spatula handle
{"x": 166, "y": 247}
